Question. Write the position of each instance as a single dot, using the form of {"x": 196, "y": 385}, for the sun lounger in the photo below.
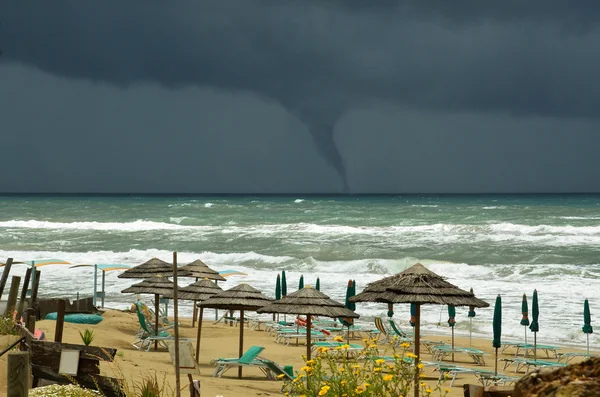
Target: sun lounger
{"x": 451, "y": 371}
{"x": 496, "y": 380}
{"x": 147, "y": 334}
{"x": 286, "y": 337}
{"x": 569, "y": 356}
{"x": 249, "y": 358}
{"x": 440, "y": 352}
{"x": 519, "y": 362}
{"x": 527, "y": 349}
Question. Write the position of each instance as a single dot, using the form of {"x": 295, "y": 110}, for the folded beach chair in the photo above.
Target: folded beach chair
{"x": 495, "y": 380}
{"x": 383, "y": 332}
{"x": 527, "y": 363}
{"x": 397, "y": 331}
{"x": 440, "y": 352}
{"x": 249, "y": 358}
{"x": 147, "y": 335}
{"x": 569, "y": 356}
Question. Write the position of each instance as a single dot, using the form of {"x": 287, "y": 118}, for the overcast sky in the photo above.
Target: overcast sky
{"x": 271, "y": 96}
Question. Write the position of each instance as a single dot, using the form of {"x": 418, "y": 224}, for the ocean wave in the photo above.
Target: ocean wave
{"x": 208, "y": 205}
{"x": 297, "y": 201}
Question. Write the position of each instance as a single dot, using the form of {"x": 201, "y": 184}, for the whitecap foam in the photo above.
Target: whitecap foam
{"x": 208, "y": 205}
{"x": 298, "y": 201}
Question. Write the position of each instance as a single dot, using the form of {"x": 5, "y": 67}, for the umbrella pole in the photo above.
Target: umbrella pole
{"x": 195, "y": 310}
{"x": 194, "y": 314}
{"x": 452, "y": 344}
{"x": 525, "y": 334}
{"x": 308, "y": 330}
{"x": 199, "y": 334}
{"x": 470, "y": 330}
{"x": 535, "y": 345}
{"x": 156, "y": 314}
{"x": 241, "y": 341}
{"x": 588, "y": 343}
{"x": 417, "y": 346}
{"x": 496, "y": 364}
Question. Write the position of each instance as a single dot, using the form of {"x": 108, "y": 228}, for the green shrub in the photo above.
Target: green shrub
{"x": 7, "y": 326}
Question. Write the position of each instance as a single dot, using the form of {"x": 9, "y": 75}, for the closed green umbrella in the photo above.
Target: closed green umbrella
{"x": 278, "y": 288}
{"x": 535, "y": 326}
{"x": 525, "y": 318}
{"x": 451, "y": 323}
{"x": 353, "y": 304}
{"x": 587, "y": 321}
{"x": 301, "y": 282}
{"x": 497, "y": 325}
{"x": 277, "y": 291}
{"x": 318, "y": 284}
{"x": 283, "y": 284}
{"x": 348, "y": 321}
{"x": 471, "y": 315}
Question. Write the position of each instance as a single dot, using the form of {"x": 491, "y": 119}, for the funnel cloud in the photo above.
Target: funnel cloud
{"x": 264, "y": 96}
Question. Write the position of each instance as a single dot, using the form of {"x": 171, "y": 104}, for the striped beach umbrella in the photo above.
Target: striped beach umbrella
{"x": 452, "y": 323}
{"x": 413, "y": 313}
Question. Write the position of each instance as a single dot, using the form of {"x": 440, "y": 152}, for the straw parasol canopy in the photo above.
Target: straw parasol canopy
{"x": 200, "y": 291}
{"x": 150, "y": 269}
{"x": 157, "y": 285}
{"x": 417, "y": 285}
{"x": 241, "y": 297}
{"x": 308, "y": 301}
{"x": 201, "y": 270}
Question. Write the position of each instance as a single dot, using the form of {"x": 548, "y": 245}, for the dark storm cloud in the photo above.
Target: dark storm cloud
{"x": 324, "y": 59}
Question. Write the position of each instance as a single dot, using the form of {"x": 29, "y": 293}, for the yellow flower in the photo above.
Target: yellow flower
{"x": 338, "y": 339}
{"x": 380, "y": 361}
{"x": 324, "y": 390}
{"x": 280, "y": 376}
{"x": 428, "y": 391}
{"x": 421, "y": 365}
{"x": 388, "y": 377}
{"x": 366, "y": 385}
{"x": 377, "y": 369}
{"x": 310, "y": 362}
{"x": 345, "y": 347}
{"x": 448, "y": 390}
{"x": 342, "y": 369}
{"x": 372, "y": 346}
{"x": 411, "y": 355}
{"x": 343, "y": 382}
{"x": 359, "y": 390}
{"x": 421, "y": 375}
{"x": 423, "y": 384}
{"x": 323, "y": 349}
{"x": 405, "y": 345}
{"x": 356, "y": 366}
{"x": 396, "y": 356}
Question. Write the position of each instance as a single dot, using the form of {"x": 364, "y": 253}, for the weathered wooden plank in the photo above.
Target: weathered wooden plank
{"x": 18, "y": 374}
{"x": 87, "y": 352}
{"x": 108, "y": 386}
{"x": 11, "y": 304}
{"x": 53, "y": 361}
{"x": 5, "y": 272}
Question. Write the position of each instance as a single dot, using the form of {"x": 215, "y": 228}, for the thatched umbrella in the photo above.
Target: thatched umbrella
{"x": 150, "y": 269}
{"x": 200, "y": 291}
{"x": 158, "y": 285}
{"x": 421, "y": 286}
{"x": 310, "y": 302}
{"x": 241, "y": 297}
{"x": 200, "y": 271}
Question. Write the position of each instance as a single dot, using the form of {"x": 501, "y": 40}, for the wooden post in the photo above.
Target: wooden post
{"x": 241, "y": 341}
{"x": 12, "y": 296}
{"x": 23, "y": 293}
{"x": 60, "y": 321}
{"x": 200, "y": 312}
{"x": 417, "y": 346}
{"x": 194, "y": 311}
{"x": 308, "y": 331}
{"x": 30, "y": 325}
{"x": 18, "y": 374}
{"x": 5, "y": 273}
{"x": 176, "y": 326}
{"x": 156, "y": 315}
{"x": 35, "y": 287}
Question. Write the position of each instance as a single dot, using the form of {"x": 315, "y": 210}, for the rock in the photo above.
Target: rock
{"x": 576, "y": 380}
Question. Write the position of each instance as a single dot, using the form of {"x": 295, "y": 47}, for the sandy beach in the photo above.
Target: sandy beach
{"x": 118, "y": 328}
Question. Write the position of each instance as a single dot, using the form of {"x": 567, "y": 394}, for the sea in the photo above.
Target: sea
{"x": 504, "y": 245}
